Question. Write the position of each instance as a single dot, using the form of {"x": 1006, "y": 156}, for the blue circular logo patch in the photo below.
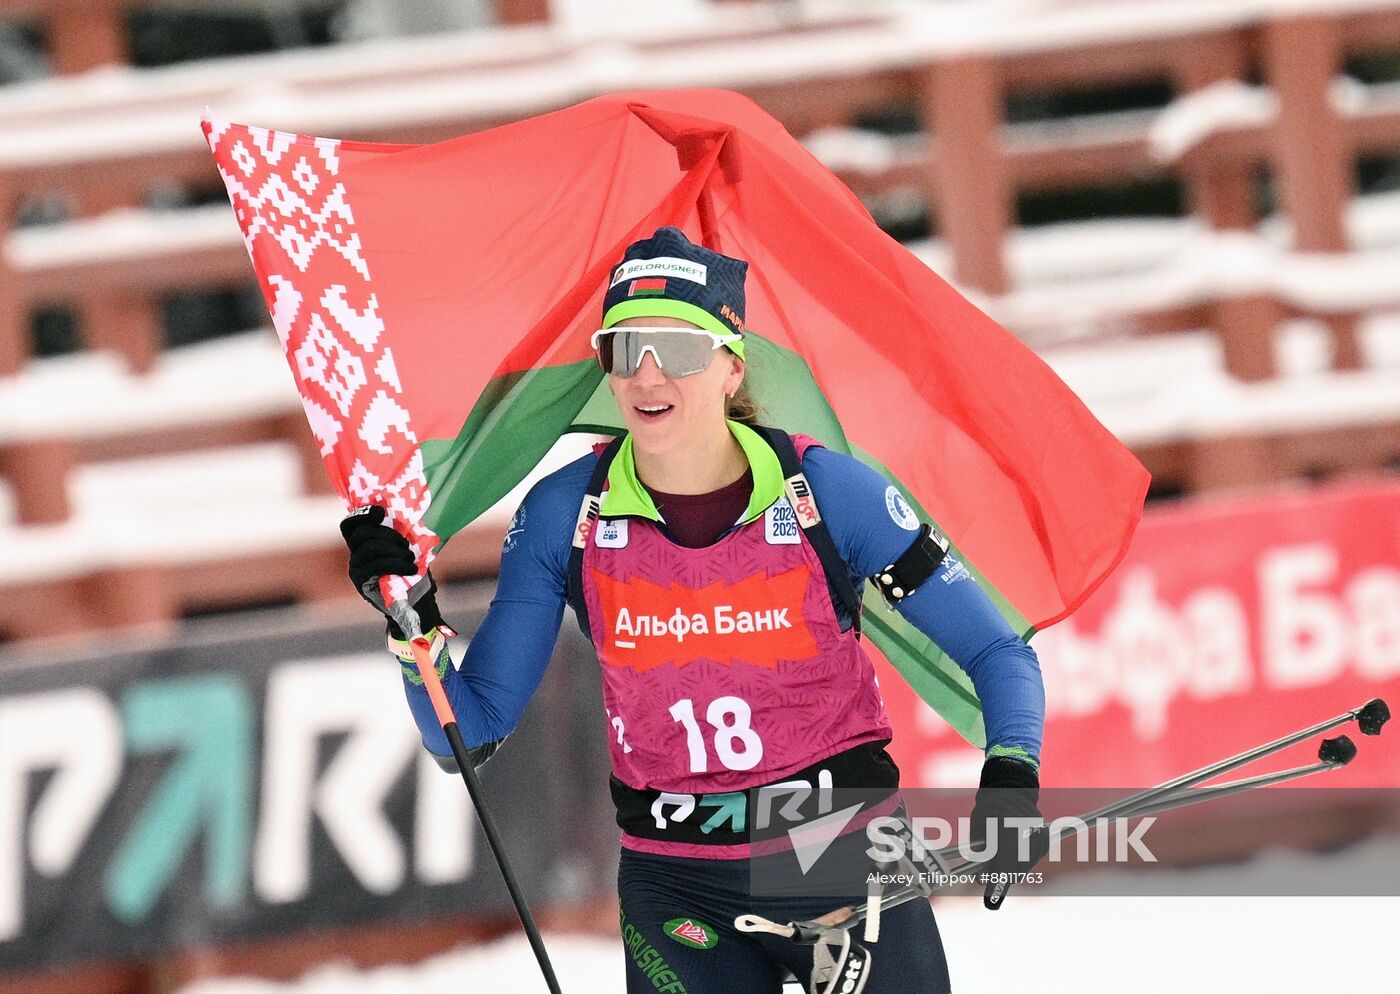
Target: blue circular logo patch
{"x": 513, "y": 530}
{"x": 900, "y": 511}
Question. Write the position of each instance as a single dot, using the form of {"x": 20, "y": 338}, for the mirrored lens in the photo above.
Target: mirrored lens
{"x": 677, "y": 353}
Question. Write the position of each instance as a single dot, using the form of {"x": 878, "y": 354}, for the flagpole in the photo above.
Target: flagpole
{"x": 407, "y": 619}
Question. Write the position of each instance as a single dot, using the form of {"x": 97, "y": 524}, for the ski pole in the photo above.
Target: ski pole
{"x": 1370, "y": 717}
{"x": 950, "y": 861}
{"x": 1331, "y": 754}
{"x": 1175, "y": 793}
{"x": 407, "y": 619}
{"x": 1179, "y": 792}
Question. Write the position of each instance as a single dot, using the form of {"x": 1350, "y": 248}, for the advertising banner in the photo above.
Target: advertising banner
{"x": 258, "y": 778}
{"x": 1228, "y": 624}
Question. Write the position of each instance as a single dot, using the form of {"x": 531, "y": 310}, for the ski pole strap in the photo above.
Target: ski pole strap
{"x": 840, "y": 964}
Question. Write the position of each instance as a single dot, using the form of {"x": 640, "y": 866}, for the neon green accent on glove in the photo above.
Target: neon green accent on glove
{"x": 404, "y": 651}
{"x": 1013, "y": 752}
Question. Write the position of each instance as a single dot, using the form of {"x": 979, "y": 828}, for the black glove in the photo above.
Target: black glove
{"x": 375, "y": 551}
{"x": 1010, "y": 788}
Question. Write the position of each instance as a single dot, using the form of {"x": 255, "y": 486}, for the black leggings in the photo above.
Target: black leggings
{"x": 700, "y": 898}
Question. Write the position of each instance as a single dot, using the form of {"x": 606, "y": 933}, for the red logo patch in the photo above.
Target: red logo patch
{"x": 800, "y": 497}
{"x": 758, "y": 621}
{"x": 689, "y": 930}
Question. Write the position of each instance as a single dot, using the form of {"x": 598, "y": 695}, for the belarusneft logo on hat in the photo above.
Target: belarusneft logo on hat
{"x": 665, "y": 266}
{"x": 669, "y": 276}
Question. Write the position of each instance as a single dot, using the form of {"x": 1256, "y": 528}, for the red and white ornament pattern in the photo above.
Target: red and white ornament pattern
{"x": 300, "y": 232}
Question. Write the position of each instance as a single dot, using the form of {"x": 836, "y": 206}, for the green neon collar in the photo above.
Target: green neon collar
{"x": 626, "y": 497}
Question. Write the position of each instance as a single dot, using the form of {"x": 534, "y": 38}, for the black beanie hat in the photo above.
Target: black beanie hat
{"x": 668, "y": 275}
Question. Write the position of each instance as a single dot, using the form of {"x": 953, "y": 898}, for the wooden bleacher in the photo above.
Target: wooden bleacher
{"x": 104, "y": 141}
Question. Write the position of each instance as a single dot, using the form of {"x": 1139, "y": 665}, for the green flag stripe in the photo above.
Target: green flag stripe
{"x": 518, "y": 417}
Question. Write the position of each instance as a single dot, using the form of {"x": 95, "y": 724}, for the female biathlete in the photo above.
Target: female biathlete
{"x": 720, "y": 602}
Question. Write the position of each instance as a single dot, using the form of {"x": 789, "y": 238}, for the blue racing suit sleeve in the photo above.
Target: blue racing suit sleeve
{"x": 872, "y": 526}
{"x": 507, "y": 656}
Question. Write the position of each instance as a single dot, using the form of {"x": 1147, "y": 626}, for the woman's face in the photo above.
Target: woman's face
{"x": 660, "y": 412}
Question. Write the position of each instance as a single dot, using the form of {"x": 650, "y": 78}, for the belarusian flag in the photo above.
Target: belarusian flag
{"x": 647, "y": 287}
{"x": 435, "y": 303}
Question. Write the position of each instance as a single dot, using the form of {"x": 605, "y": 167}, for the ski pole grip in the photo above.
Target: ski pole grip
{"x": 406, "y": 618}
{"x": 1373, "y": 716}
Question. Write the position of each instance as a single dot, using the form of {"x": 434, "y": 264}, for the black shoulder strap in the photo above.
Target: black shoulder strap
{"x": 583, "y": 527}
{"x": 809, "y": 519}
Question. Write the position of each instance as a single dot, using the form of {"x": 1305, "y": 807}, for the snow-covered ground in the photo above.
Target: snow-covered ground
{"x": 1042, "y": 943}
{"x": 1064, "y": 945}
